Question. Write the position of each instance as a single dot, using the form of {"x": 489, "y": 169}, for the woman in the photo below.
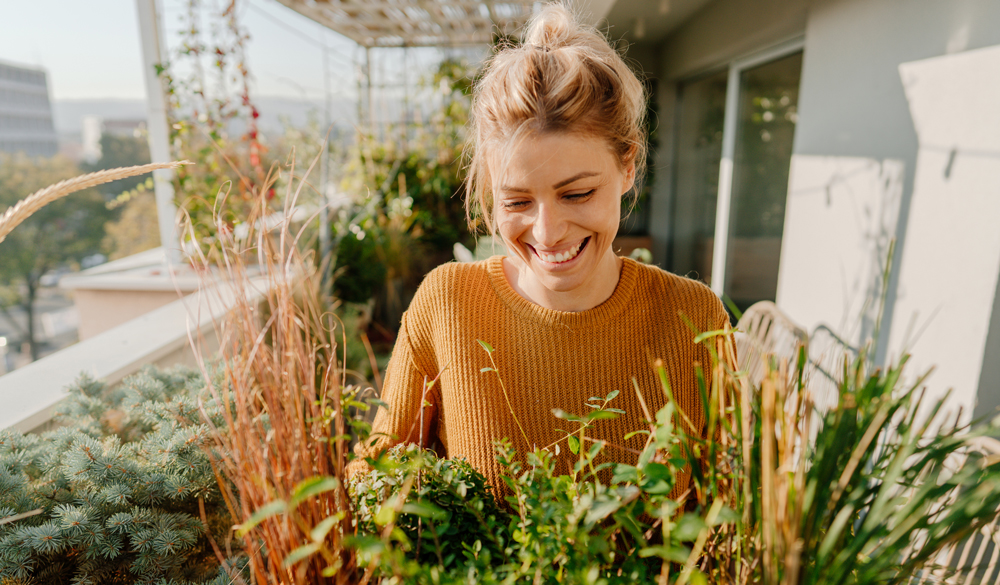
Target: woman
{"x": 557, "y": 141}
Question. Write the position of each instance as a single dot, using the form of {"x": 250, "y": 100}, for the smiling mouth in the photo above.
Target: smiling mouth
{"x": 562, "y": 257}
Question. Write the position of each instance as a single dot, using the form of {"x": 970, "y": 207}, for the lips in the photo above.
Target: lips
{"x": 562, "y": 257}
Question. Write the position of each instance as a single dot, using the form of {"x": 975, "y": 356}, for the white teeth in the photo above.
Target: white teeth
{"x": 561, "y": 257}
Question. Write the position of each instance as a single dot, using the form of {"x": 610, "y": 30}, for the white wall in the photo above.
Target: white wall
{"x": 840, "y": 217}
{"x": 948, "y": 274}
{"x": 860, "y": 176}
{"x": 855, "y": 114}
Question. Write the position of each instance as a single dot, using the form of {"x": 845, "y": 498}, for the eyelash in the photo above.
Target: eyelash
{"x": 578, "y": 196}
{"x": 574, "y": 197}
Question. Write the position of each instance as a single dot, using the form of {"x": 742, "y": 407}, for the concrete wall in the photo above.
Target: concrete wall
{"x": 852, "y": 189}
{"x": 101, "y": 310}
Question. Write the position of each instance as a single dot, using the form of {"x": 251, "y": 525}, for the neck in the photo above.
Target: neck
{"x": 599, "y": 288}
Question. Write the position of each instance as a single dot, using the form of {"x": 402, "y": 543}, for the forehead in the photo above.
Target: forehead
{"x": 551, "y": 155}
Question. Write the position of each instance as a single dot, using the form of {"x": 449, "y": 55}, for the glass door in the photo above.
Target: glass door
{"x": 768, "y": 101}
{"x": 734, "y": 145}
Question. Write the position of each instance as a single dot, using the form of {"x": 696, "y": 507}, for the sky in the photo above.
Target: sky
{"x": 91, "y": 49}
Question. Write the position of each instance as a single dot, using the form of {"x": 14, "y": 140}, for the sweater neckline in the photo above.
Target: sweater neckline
{"x": 602, "y": 313}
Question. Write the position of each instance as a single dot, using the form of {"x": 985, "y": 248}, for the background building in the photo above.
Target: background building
{"x": 796, "y": 139}
{"x": 25, "y": 111}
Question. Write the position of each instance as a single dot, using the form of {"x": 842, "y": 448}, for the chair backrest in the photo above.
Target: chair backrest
{"x": 767, "y": 332}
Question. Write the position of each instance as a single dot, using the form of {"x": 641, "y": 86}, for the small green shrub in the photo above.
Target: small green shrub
{"x": 119, "y": 494}
{"x": 448, "y": 516}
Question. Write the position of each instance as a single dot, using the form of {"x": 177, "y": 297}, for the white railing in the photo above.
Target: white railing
{"x": 30, "y": 395}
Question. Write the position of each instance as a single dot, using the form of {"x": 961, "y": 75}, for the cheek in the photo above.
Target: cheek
{"x": 510, "y": 227}
{"x": 607, "y": 217}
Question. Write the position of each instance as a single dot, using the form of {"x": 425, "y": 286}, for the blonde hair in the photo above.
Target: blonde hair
{"x": 564, "y": 77}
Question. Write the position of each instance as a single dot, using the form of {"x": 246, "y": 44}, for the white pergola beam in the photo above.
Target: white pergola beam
{"x": 393, "y": 24}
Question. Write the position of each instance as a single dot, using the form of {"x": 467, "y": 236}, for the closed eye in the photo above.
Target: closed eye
{"x": 580, "y": 196}
{"x": 511, "y": 205}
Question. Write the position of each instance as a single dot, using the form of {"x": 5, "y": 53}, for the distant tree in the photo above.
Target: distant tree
{"x": 61, "y": 232}
{"x": 133, "y": 227}
{"x": 120, "y": 151}
{"x": 136, "y": 228}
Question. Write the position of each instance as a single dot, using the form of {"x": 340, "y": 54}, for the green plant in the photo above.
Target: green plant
{"x": 869, "y": 492}
{"x": 407, "y": 213}
{"x": 213, "y": 121}
{"x": 123, "y": 493}
{"x": 442, "y": 511}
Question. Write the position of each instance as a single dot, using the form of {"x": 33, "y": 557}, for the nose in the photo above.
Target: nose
{"x": 550, "y": 226}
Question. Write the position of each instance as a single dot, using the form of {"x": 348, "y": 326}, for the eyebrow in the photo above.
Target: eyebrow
{"x": 562, "y": 183}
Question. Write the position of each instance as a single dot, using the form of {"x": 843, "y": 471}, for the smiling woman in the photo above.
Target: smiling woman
{"x": 557, "y": 211}
{"x": 557, "y": 142}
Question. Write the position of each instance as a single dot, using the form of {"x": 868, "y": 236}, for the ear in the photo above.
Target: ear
{"x": 629, "y": 179}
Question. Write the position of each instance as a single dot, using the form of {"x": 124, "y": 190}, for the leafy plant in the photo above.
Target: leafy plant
{"x": 407, "y": 215}
{"x": 870, "y": 492}
{"x": 213, "y": 121}
{"x": 441, "y": 511}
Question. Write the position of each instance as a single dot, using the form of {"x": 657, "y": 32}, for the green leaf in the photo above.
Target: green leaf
{"x": 611, "y": 395}
{"x": 600, "y": 415}
{"x": 677, "y": 554}
{"x": 319, "y": 532}
{"x": 574, "y": 444}
{"x": 303, "y": 552}
{"x": 313, "y": 486}
{"x": 425, "y": 510}
{"x": 624, "y": 474}
{"x": 634, "y": 433}
{"x": 486, "y": 369}
{"x": 266, "y": 511}
{"x": 560, "y": 413}
{"x": 709, "y": 334}
{"x": 486, "y": 346}
{"x": 602, "y": 510}
{"x": 689, "y": 526}
{"x": 386, "y": 513}
{"x": 698, "y": 578}
{"x": 646, "y": 455}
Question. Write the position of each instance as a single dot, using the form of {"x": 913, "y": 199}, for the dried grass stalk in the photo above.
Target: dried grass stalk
{"x": 281, "y": 393}
{"x": 24, "y": 208}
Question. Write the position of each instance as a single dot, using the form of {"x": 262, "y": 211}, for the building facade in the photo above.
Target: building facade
{"x": 25, "y": 111}
{"x": 797, "y": 141}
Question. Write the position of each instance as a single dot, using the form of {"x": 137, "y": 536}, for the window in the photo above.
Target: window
{"x": 734, "y": 148}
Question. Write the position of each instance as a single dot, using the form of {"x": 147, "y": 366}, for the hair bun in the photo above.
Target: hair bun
{"x": 553, "y": 27}
{"x": 564, "y": 77}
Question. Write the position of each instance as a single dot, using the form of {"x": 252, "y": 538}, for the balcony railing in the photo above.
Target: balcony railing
{"x": 162, "y": 337}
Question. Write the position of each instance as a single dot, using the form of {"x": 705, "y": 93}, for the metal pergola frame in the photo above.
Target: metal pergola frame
{"x": 417, "y": 23}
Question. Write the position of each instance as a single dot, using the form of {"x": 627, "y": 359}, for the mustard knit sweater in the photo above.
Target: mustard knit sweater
{"x": 548, "y": 359}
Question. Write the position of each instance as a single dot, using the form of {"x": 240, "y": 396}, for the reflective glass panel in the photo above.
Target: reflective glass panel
{"x": 768, "y": 104}
{"x": 696, "y": 187}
